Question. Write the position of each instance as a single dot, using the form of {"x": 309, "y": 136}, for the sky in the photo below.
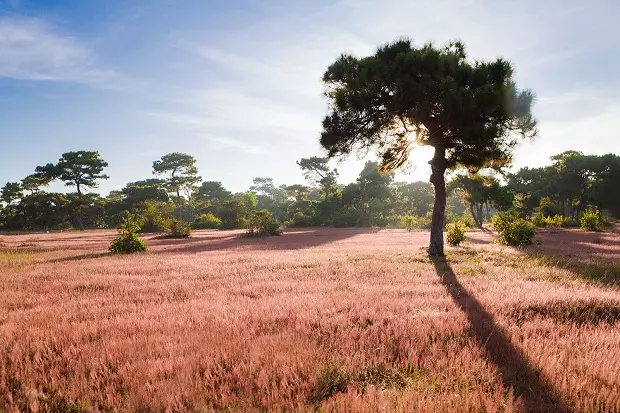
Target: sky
{"x": 237, "y": 83}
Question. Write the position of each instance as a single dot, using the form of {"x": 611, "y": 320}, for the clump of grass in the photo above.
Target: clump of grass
{"x": 334, "y": 379}
{"x": 175, "y": 228}
{"x": 580, "y": 312}
{"x": 601, "y": 272}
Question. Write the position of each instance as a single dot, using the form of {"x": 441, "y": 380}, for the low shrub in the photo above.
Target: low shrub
{"x": 539, "y": 220}
{"x": 570, "y": 222}
{"x": 300, "y": 220}
{"x": 513, "y": 230}
{"x": 263, "y": 223}
{"x": 590, "y": 220}
{"x": 153, "y": 223}
{"x": 176, "y": 228}
{"x": 345, "y": 219}
{"x": 409, "y": 222}
{"x": 207, "y": 221}
{"x": 127, "y": 242}
{"x": 456, "y": 233}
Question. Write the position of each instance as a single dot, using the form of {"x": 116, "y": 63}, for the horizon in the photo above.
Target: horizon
{"x": 239, "y": 86}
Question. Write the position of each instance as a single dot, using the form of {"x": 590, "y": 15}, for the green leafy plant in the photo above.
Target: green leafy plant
{"x": 127, "y": 242}
{"x": 176, "y": 228}
{"x": 263, "y": 223}
{"x": 590, "y": 220}
{"x": 409, "y": 222}
{"x": 513, "y": 230}
{"x": 207, "y": 221}
{"x": 456, "y": 233}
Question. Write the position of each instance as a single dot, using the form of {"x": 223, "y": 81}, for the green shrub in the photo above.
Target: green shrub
{"x": 539, "y": 220}
{"x": 153, "y": 223}
{"x": 570, "y": 222}
{"x": 513, "y": 230}
{"x": 556, "y": 221}
{"x": 300, "y": 220}
{"x": 263, "y": 223}
{"x": 176, "y": 228}
{"x": 409, "y": 222}
{"x": 207, "y": 221}
{"x": 456, "y": 233}
{"x": 607, "y": 222}
{"x": 381, "y": 222}
{"x": 590, "y": 220}
{"x": 127, "y": 242}
{"x": 345, "y": 219}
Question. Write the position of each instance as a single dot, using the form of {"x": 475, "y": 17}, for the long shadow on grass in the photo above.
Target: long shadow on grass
{"x": 291, "y": 240}
{"x": 590, "y": 256}
{"x": 515, "y": 369}
{"x": 80, "y": 257}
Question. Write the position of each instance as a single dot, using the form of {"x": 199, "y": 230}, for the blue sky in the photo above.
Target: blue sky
{"x": 237, "y": 83}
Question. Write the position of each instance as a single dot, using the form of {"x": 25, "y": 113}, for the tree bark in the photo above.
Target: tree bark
{"x": 473, "y": 214}
{"x": 438, "y": 169}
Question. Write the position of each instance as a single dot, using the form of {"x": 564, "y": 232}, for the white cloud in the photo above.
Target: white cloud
{"x": 31, "y": 49}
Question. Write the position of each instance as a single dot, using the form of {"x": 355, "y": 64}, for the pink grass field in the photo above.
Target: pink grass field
{"x": 319, "y": 319}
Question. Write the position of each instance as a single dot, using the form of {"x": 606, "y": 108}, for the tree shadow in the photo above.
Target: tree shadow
{"x": 80, "y": 257}
{"x": 592, "y": 256}
{"x": 516, "y": 371}
{"x": 290, "y": 240}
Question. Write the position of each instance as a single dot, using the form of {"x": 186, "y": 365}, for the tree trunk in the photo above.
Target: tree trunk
{"x": 438, "y": 168}
{"x": 473, "y": 214}
{"x": 79, "y": 217}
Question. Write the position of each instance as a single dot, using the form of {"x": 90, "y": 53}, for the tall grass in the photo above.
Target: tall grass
{"x": 338, "y": 320}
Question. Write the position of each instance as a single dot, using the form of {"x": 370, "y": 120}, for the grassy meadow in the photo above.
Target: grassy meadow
{"x": 327, "y": 320}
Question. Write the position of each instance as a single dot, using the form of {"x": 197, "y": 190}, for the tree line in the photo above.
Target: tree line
{"x": 572, "y": 183}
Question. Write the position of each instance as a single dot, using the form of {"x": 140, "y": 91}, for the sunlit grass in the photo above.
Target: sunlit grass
{"x": 334, "y": 320}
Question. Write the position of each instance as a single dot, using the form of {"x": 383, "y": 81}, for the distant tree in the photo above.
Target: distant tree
{"x": 317, "y": 171}
{"x": 33, "y": 184}
{"x": 471, "y": 113}
{"x": 414, "y": 198}
{"x": 180, "y": 171}
{"x": 140, "y": 191}
{"x": 214, "y": 192}
{"x": 480, "y": 192}
{"x": 80, "y": 169}
{"x": 271, "y": 198}
{"x": 11, "y": 191}
{"x": 298, "y": 192}
{"x": 374, "y": 183}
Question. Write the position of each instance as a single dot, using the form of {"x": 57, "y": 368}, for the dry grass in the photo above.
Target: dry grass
{"x": 335, "y": 320}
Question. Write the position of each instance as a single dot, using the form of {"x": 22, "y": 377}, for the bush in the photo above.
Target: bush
{"x": 590, "y": 220}
{"x": 300, "y": 220}
{"x": 409, "y": 222}
{"x": 556, "y": 221}
{"x": 127, "y": 242}
{"x": 539, "y": 220}
{"x": 262, "y": 223}
{"x": 176, "y": 228}
{"x": 344, "y": 219}
{"x": 570, "y": 222}
{"x": 513, "y": 230}
{"x": 456, "y": 233}
{"x": 207, "y": 221}
{"x": 153, "y": 223}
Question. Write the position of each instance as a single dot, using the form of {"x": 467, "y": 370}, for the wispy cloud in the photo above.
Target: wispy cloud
{"x": 31, "y": 49}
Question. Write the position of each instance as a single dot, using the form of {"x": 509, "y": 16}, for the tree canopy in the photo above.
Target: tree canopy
{"x": 79, "y": 169}
{"x": 180, "y": 171}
